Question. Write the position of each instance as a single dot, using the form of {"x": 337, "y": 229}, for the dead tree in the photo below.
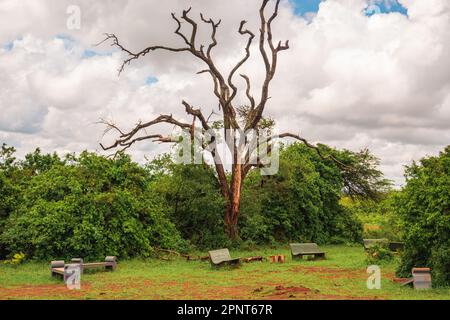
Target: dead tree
{"x": 225, "y": 90}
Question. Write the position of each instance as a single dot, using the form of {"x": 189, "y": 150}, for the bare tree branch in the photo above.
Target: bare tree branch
{"x": 178, "y": 30}
{"x": 135, "y": 56}
{"x": 128, "y": 139}
{"x": 242, "y": 31}
{"x": 197, "y": 113}
{"x": 194, "y": 27}
{"x": 248, "y": 91}
{"x": 216, "y": 84}
{"x": 214, "y": 26}
{"x": 266, "y": 27}
{"x": 262, "y": 35}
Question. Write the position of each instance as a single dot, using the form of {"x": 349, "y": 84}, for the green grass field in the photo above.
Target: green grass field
{"x": 341, "y": 276}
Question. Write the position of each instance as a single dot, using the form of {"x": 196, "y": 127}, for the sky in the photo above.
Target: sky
{"x": 360, "y": 73}
{"x": 302, "y": 7}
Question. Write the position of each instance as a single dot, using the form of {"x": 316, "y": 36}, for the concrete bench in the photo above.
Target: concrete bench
{"x": 421, "y": 279}
{"x": 60, "y": 268}
{"x": 222, "y": 257}
{"x": 299, "y": 250}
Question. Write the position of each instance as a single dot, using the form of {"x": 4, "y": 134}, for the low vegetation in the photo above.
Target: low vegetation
{"x": 342, "y": 276}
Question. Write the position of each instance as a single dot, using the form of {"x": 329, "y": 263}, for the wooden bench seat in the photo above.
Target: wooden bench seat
{"x": 94, "y": 265}
{"x": 298, "y": 250}
{"x": 58, "y": 270}
{"x": 222, "y": 257}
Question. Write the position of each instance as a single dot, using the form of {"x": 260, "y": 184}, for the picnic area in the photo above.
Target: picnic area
{"x": 341, "y": 276}
{"x": 250, "y": 151}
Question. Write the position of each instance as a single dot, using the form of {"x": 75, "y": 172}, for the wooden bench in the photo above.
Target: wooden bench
{"x": 60, "y": 268}
{"x": 299, "y": 250}
{"x": 222, "y": 257}
{"x": 421, "y": 279}
{"x": 368, "y": 243}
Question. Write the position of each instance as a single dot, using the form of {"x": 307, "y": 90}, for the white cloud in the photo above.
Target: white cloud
{"x": 349, "y": 80}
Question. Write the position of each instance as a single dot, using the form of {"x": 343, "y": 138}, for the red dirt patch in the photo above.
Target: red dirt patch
{"x": 290, "y": 292}
{"x": 42, "y": 291}
{"x": 302, "y": 293}
{"x": 332, "y": 273}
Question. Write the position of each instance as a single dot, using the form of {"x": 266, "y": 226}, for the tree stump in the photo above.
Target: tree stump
{"x": 277, "y": 259}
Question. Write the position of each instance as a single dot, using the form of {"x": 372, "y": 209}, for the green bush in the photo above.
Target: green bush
{"x": 193, "y": 201}
{"x": 9, "y": 190}
{"x": 379, "y": 216}
{"x": 424, "y": 205}
{"x": 377, "y": 254}
{"x": 90, "y": 207}
{"x": 299, "y": 203}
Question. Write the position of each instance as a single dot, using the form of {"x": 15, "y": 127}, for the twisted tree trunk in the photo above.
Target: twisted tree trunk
{"x": 234, "y": 202}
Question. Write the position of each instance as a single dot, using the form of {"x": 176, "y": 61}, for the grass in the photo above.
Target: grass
{"x": 341, "y": 276}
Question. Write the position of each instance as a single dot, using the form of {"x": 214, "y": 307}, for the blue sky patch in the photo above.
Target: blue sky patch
{"x": 68, "y": 41}
{"x": 89, "y": 53}
{"x": 385, "y": 6}
{"x": 151, "y": 80}
{"x": 8, "y": 46}
{"x": 304, "y": 6}
{"x": 301, "y": 7}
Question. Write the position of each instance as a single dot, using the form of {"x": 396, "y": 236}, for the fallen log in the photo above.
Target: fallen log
{"x": 252, "y": 259}
{"x": 186, "y": 256}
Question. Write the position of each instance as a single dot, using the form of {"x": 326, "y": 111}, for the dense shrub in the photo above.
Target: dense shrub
{"x": 299, "y": 203}
{"x": 424, "y": 206}
{"x": 379, "y": 217}
{"x": 195, "y": 204}
{"x": 90, "y": 207}
{"x": 9, "y": 191}
{"x": 378, "y": 254}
